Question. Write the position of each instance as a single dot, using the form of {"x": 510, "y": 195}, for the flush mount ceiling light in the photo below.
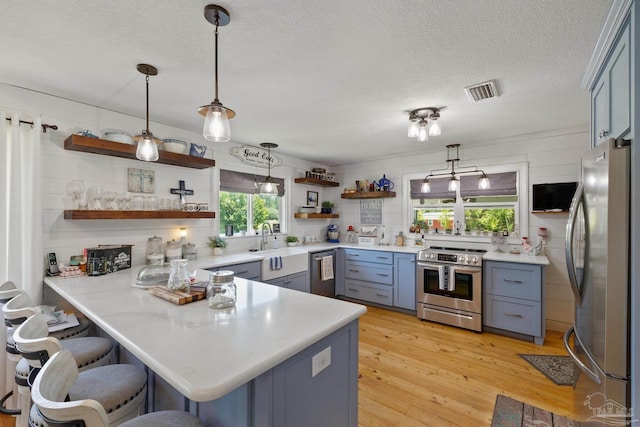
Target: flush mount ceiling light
{"x": 147, "y": 144}
{"x": 424, "y": 122}
{"x": 268, "y": 186}
{"x": 216, "y": 123}
{"x": 483, "y": 182}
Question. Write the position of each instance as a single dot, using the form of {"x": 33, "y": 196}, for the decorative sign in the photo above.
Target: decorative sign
{"x": 371, "y": 212}
{"x": 255, "y": 156}
{"x": 141, "y": 181}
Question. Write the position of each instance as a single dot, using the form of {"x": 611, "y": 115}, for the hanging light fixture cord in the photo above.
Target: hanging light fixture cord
{"x": 147, "y": 78}
{"x": 216, "y": 100}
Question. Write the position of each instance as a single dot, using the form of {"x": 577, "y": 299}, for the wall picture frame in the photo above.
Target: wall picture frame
{"x": 312, "y": 198}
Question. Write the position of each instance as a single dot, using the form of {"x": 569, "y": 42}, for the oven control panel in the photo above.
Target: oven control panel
{"x": 467, "y": 257}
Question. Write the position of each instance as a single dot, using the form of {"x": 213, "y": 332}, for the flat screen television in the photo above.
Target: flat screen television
{"x": 553, "y": 197}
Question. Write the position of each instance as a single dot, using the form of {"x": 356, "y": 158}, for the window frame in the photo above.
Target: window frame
{"x": 521, "y": 212}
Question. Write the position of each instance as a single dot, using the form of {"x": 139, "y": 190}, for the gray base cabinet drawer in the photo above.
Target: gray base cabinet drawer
{"x": 246, "y": 270}
{"x": 379, "y": 294}
{"x": 379, "y": 273}
{"x": 522, "y": 316}
{"x": 379, "y": 257}
{"x": 513, "y": 280}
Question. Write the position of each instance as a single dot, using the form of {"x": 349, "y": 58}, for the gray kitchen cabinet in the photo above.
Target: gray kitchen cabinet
{"x": 298, "y": 281}
{"x": 369, "y": 275}
{"x": 291, "y": 395}
{"x": 247, "y": 270}
{"x": 610, "y": 95}
{"x": 514, "y": 299}
{"x": 404, "y": 281}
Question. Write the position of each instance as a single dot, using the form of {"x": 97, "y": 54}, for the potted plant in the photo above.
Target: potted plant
{"x": 217, "y": 243}
{"x": 292, "y": 240}
{"x": 327, "y": 207}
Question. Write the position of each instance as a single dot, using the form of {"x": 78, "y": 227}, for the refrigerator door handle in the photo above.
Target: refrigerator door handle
{"x": 568, "y": 243}
{"x": 588, "y": 372}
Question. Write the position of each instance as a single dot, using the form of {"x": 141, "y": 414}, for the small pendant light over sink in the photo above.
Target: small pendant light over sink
{"x": 268, "y": 186}
{"x": 216, "y": 123}
{"x": 147, "y": 144}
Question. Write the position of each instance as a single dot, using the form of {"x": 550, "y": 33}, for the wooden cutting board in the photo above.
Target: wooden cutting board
{"x": 177, "y": 297}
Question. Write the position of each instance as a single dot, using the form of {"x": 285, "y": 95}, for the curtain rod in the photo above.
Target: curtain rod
{"x": 44, "y": 125}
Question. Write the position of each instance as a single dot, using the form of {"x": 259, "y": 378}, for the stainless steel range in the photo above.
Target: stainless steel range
{"x": 449, "y": 286}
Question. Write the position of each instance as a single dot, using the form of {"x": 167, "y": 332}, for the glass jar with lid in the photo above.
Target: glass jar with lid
{"x": 173, "y": 250}
{"x": 221, "y": 290}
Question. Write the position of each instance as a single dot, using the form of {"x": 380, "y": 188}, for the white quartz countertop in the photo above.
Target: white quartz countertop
{"x": 230, "y": 259}
{"x": 206, "y": 353}
{"x": 521, "y": 258}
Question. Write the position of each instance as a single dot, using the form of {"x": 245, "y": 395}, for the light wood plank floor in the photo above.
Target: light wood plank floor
{"x": 415, "y": 373}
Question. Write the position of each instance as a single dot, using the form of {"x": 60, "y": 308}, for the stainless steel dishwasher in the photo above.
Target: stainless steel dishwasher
{"x": 325, "y": 287}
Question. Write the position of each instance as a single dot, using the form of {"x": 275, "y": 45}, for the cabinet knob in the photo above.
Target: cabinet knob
{"x": 603, "y": 133}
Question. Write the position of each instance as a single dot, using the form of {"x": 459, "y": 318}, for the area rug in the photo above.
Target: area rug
{"x": 559, "y": 369}
{"x": 509, "y": 412}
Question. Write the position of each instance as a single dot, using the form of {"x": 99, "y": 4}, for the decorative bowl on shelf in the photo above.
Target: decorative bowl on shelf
{"x": 174, "y": 145}
{"x": 118, "y": 136}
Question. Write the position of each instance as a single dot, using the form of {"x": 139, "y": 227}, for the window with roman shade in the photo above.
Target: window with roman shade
{"x": 248, "y": 183}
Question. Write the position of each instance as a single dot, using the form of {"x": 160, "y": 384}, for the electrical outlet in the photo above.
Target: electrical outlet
{"x": 320, "y": 361}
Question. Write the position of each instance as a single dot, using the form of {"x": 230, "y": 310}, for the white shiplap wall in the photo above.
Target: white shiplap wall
{"x": 68, "y": 238}
{"x": 552, "y": 157}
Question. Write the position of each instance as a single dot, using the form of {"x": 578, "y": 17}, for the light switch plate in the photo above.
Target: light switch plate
{"x": 320, "y": 361}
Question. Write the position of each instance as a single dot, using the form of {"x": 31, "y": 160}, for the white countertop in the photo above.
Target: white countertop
{"x": 521, "y": 258}
{"x": 223, "y": 260}
{"x": 206, "y": 353}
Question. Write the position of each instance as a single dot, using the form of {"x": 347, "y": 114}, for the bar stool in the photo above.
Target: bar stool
{"x": 32, "y": 341}
{"x": 16, "y": 311}
{"x": 59, "y": 378}
{"x": 8, "y": 290}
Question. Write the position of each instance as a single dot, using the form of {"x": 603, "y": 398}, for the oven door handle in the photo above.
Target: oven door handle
{"x": 472, "y": 270}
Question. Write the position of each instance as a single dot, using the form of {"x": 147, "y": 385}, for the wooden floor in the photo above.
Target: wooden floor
{"x": 416, "y": 373}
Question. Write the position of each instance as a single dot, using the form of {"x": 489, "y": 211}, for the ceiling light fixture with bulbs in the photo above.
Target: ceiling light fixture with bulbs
{"x": 147, "y": 149}
{"x": 483, "y": 182}
{"x": 424, "y": 122}
{"x": 216, "y": 123}
{"x": 269, "y": 186}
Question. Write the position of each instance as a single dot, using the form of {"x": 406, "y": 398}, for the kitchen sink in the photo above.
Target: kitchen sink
{"x": 294, "y": 260}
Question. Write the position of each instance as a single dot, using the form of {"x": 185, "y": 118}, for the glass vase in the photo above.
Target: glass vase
{"x": 179, "y": 276}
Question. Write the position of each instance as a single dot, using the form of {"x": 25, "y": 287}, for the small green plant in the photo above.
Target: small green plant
{"x": 217, "y": 242}
{"x": 327, "y": 204}
{"x": 292, "y": 239}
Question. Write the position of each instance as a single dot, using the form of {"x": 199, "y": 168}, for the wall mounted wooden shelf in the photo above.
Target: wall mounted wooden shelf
{"x": 316, "y": 181}
{"x": 116, "y": 149}
{"x": 314, "y": 215}
{"x": 90, "y": 214}
{"x": 368, "y": 195}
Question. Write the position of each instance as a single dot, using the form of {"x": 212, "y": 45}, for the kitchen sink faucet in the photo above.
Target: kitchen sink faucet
{"x": 263, "y": 240}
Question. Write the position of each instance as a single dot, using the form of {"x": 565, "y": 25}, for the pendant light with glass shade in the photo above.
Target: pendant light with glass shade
{"x": 454, "y": 182}
{"x": 269, "y": 186}
{"x": 216, "y": 123}
{"x": 147, "y": 149}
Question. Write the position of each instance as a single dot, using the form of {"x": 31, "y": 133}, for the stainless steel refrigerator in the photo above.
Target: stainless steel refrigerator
{"x": 597, "y": 251}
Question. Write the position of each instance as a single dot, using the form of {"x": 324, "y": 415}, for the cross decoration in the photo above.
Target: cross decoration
{"x": 182, "y": 191}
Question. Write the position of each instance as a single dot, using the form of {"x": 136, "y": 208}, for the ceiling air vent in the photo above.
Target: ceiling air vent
{"x": 482, "y": 91}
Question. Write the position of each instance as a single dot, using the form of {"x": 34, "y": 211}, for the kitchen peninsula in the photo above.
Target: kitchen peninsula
{"x": 280, "y": 357}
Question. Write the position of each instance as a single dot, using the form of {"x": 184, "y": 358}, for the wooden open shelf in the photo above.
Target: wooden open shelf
{"x": 368, "y": 195}
{"x": 314, "y": 215}
{"x": 104, "y": 214}
{"x": 316, "y": 181}
{"x": 116, "y": 149}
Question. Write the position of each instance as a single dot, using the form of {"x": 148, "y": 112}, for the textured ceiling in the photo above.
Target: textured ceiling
{"x": 330, "y": 81}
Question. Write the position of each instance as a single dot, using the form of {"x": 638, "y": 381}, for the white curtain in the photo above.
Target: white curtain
{"x": 21, "y": 256}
